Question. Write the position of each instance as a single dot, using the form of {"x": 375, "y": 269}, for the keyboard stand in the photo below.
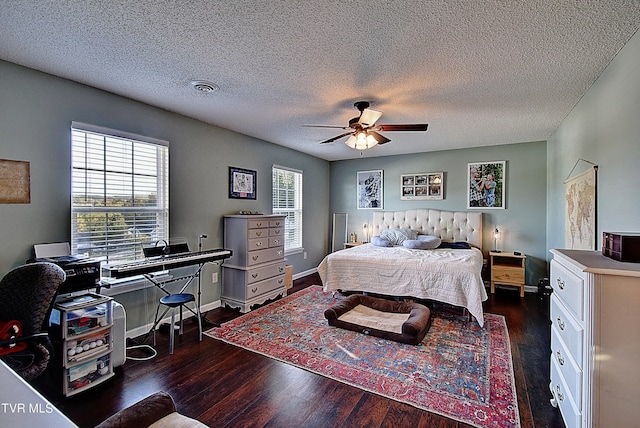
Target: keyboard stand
{"x": 161, "y": 284}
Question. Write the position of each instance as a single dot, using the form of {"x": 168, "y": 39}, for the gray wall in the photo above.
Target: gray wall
{"x": 603, "y": 128}
{"x": 522, "y": 222}
{"x": 36, "y": 111}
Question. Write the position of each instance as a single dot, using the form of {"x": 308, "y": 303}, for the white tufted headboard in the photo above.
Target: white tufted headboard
{"x": 447, "y": 225}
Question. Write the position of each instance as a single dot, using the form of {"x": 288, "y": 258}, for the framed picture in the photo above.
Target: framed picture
{"x": 422, "y": 186}
{"x": 370, "y": 188}
{"x": 15, "y": 182}
{"x": 242, "y": 183}
{"x": 486, "y": 189}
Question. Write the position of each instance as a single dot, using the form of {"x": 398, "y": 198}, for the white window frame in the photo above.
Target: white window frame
{"x": 92, "y": 178}
{"x": 293, "y": 222}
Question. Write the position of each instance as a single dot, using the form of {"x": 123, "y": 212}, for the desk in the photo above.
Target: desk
{"x": 22, "y": 406}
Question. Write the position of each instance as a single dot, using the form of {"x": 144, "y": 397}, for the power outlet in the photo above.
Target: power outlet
{"x": 304, "y": 255}
{"x": 214, "y": 277}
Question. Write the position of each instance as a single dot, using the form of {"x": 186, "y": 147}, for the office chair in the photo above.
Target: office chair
{"x": 27, "y": 295}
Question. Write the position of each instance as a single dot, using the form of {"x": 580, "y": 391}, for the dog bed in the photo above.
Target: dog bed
{"x": 399, "y": 321}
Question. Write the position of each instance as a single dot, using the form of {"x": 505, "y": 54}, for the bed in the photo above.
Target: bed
{"x": 447, "y": 275}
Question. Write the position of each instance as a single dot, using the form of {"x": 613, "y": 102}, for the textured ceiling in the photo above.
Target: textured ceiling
{"x": 478, "y": 72}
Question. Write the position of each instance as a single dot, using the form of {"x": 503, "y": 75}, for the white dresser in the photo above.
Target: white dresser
{"x": 595, "y": 339}
{"x": 255, "y": 272}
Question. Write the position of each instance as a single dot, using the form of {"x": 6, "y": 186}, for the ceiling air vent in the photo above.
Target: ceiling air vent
{"x": 204, "y": 86}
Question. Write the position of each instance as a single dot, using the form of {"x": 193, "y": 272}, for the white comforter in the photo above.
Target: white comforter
{"x": 445, "y": 275}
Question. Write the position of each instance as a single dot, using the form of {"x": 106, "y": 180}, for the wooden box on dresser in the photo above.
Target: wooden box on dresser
{"x": 595, "y": 339}
{"x": 256, "y": 271}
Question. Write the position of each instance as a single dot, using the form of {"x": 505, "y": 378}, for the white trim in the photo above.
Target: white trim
{"x": 286, "y": 168}
{"x": 143, "y": 329}
{"x": 117, "y": 133}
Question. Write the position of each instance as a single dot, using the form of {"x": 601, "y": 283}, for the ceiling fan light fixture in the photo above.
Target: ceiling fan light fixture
{"x": 361, "y": 141}
{"x": 204, "y": 86}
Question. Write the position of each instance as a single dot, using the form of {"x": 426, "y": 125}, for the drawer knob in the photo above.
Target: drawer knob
{"x": 560, "y": 323}
{"x": 280, "y": 281}
{"x": 277, "y": 223}
{"x": 559, "y": 395}
{"x": 280, "y": 269}
{"x": 255, "y": 258}
{"x": 258, "y": 244}
{"x": 254, "y": 275}
{"x": 279, "y": 252}
{"x": 259, "y": 224}
{"x": 560, "y": 284}
{"x": 276, "y": 242}
{"x": 253, "y": 290}
{"x": 277, "y": 232}
{"x": 560, "y": 358}
{"x": 259, "y": 233}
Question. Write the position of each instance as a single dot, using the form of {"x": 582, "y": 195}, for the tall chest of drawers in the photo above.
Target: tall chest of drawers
{"x": 255, "y": 272}
{"x": 595, "y": 339}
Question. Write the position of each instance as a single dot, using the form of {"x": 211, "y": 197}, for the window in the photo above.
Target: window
{"x": 287, "y": 200}
{"x": 119, "y": 193}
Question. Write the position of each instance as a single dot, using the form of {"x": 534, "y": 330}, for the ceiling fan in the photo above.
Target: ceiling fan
{"x": 363, "y": 131}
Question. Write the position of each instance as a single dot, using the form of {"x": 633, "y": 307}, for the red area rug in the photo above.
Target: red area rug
{"x": 460, "y": 370}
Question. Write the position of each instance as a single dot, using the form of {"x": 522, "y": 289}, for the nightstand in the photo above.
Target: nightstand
{"x": 507, "y": 269}
{"x": 352, "y": 244}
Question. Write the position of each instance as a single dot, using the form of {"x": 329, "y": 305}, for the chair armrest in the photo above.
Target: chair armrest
{"x": 15, "y": 340}
{"x": 143, "y": 413}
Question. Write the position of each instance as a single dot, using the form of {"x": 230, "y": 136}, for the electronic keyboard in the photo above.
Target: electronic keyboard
{"x": 141, "y": 267}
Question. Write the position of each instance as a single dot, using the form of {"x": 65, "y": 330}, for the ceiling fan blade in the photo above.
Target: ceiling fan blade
{"x": 369, "y": 117}
{"x": 409, "y": 127}
{"x": 381, "y": 139}
{"x": 325, "y": 126}
{"x": 331, "y": 140}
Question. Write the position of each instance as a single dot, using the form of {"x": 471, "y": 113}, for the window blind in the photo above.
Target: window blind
{"x": 287, "y": 200}
{"x": 119, "y": 193}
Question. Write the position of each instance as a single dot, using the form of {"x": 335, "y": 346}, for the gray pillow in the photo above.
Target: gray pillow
{"x": 398, "y": 236}
{"x": 424, "y": 242}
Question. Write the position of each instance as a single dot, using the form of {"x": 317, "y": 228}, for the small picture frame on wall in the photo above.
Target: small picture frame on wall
{"x": 487, "y": 182}
{"x": 422, "y": 186}
{"x": 242, "y": 183}
{"x": 370, "y": 190}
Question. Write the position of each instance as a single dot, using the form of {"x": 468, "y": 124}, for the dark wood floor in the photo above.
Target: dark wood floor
{"x": 226, "y": 386}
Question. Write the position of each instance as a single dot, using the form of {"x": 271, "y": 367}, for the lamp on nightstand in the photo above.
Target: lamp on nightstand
{"x": 365, "y": 235}
{"x": 496, "y": 237}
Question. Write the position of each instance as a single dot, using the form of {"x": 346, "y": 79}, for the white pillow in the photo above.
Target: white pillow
{"x": 398, "y": 236}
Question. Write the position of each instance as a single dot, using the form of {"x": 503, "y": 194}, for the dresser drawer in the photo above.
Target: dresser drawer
{"x": 257, "y": 223}
{"x": 261, "y": 287}
{"x": 276, "y": 231}
{"x": 568, "y": 368}
{"x": 258, "y": 243}
{"x": 568, "y": 329}
{"x": 276, "y": 223}
{"x": 263, "y": 256}
{"x": 276, "y": 241}
{"x": 262, "y": 273}
{"x": 570, "y": 413}
{"x": 258, "y": 233}
{"x": 569, "y": 288}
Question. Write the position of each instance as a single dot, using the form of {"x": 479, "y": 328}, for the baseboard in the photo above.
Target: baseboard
{"x": 143, "y": 329}
{"x": 305, "y": 273}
